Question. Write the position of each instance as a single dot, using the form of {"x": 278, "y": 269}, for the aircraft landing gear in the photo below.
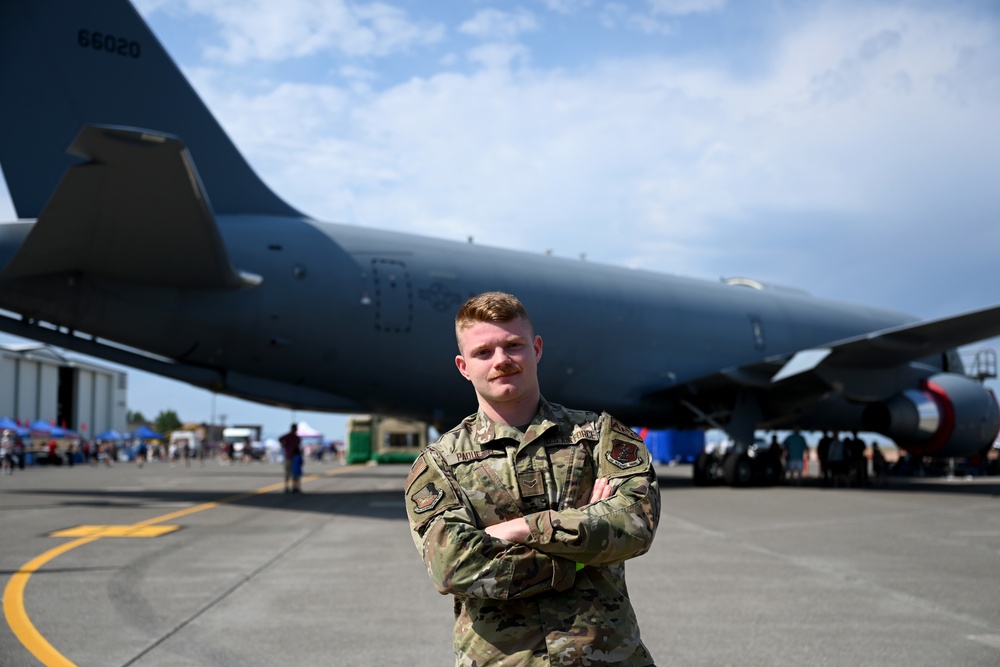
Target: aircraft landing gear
{"x": 739, "y": 466}
{"x": 737, "y": 470}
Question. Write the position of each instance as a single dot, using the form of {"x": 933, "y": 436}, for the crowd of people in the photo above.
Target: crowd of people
{"x": 845, "y": 460}
{"x": 17, "y": 452}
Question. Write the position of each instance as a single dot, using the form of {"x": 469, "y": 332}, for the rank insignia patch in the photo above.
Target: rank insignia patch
{"x": 624, "y": 454}
{"x": 426, "y": 498}
{"x": 530, "y": 483}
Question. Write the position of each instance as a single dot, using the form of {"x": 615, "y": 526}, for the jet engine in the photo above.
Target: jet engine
{"x": 947, "y": 415}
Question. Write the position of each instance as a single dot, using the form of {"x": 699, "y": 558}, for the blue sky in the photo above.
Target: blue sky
{"x": 846, "y": 148}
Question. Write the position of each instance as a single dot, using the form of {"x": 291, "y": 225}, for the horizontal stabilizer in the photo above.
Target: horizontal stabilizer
{"x": 135, "y": 210}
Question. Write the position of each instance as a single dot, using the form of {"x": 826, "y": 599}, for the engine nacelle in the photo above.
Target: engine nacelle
{"x": 948, "y": 415}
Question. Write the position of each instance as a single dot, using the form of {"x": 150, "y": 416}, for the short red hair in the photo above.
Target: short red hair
{"x": 491, "y": 307}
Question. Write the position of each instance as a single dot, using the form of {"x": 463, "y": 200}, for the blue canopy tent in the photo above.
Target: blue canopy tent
{"x": 146, "y": 433}
{"x": 40, "y": 426}
{"x": 60, "y": 432}
{"x": 6, "y": 423}
{"x": 109, "y": 435}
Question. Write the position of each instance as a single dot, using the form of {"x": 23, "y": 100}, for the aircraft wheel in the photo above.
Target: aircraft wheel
{"x": 703, "y": 469}
{"x": 737, "y": 471}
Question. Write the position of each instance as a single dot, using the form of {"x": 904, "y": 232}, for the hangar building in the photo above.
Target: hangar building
{"x": 40, "y": 382}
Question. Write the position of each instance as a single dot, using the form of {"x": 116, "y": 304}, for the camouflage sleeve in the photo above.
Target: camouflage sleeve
{"x": 611, "y": 530}
{"x": 462, "y": 559}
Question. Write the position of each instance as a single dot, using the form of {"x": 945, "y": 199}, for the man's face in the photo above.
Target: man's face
{"x": 501, "y": 360}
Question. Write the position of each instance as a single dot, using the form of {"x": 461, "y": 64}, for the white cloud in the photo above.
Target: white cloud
{"x": 566, "y": 6}
{"x": 618, "y": 15}
{"x": 842, "y": 146}
{"x": 499, "y": 55}
{"x": 492, "y": 24}
{"x": 263, "y": 30}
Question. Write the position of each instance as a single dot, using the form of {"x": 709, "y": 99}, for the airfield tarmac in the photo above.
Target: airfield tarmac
{"x": 901, "y": 575}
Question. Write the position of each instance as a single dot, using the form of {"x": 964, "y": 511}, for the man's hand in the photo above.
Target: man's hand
{"x": 602, "y": 490}
{"x": 516, "y": 530}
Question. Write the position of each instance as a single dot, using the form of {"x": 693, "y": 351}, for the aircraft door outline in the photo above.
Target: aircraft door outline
{"x": 392, "y": 292}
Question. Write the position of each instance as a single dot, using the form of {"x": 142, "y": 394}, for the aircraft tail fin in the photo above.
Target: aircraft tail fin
{"x": 65, "y": 64}
{"x": 157, "y": 229}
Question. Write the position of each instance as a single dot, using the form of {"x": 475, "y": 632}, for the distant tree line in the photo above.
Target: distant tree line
{"x": 165, "y": 422}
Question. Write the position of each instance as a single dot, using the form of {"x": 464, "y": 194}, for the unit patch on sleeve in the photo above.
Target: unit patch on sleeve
{"x": 426, "y": 498}
{"x": 624, "y": 454}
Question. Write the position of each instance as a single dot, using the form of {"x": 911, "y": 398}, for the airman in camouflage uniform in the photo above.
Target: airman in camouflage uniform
{"x": 529, "y": 527}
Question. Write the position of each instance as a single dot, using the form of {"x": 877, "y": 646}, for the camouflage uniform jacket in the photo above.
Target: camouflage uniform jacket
{"x": 530, "y": 604}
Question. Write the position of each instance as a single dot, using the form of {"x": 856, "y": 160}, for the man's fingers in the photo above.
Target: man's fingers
{"x": 602, "y": 490}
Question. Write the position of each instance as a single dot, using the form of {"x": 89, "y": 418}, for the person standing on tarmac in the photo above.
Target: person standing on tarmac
{"x": 7, "y": 453}
{"x": 527, "y": 510}
{"x": 795, "y": 451}
{"x": 291, "y": 446}
{"x": 858, "y": 461}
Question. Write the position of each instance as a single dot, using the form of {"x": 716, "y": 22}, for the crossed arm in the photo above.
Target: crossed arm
{"x": 516, "y": 530}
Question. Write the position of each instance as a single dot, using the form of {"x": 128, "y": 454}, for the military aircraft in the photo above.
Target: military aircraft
{"x": 145, "y": 238}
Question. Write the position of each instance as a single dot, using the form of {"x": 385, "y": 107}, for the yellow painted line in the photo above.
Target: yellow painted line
{"x": 115, "y": 531}
{"x": 13, "y": 595}
{"x": 17, "y": 617}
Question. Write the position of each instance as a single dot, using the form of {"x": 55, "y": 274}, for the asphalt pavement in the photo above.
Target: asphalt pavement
{"x": 174, "y": 566}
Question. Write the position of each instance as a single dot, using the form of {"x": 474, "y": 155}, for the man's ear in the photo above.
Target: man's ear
{"x": 460, "y": 363}
{"x": 538, "y": 348}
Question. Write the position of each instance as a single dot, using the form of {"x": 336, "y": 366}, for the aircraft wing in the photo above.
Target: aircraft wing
{"x": 135, "y": 210}
{"x": 898, "y": 345}
{"x": 865, "y": 368}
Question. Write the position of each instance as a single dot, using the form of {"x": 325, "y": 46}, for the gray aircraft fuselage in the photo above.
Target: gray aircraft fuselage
{"x": 362, "y": 320}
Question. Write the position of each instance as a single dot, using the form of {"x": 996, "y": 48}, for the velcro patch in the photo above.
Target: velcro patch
{"x": 464, "y": 457}
{"x": 624, "y": 430}
{"x": 531, "y": 484}
{"x": 416, "y": 470}
{"x": 426, "y": 498}
{"x": 624, "y": 454}
{"x": 575, "y": 437}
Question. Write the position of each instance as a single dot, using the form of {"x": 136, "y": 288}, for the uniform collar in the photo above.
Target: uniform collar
{"x": 485, "y": 430}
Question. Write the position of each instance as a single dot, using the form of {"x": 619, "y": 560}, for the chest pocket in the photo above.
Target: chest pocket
{"x": 573, "y": 473}
{"x": 487, "y": 489}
